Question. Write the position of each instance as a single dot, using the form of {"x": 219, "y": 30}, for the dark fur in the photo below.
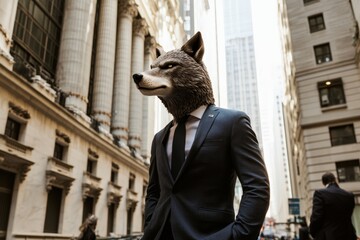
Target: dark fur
{"x": 191, "y": 85}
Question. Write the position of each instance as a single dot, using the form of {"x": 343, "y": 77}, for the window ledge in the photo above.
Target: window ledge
{"x": 58, "y": 173}
{"x": 311, "y": 2}
{"x": 335, "y": 107}
{"x": 15, "y": 145}
{"x": 114, "y": 194}
{"x": 114, "y": 187}
{"x": 91, "y": 186}
{"x": 131, "y": 200}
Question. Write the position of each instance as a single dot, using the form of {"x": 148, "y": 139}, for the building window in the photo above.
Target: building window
{"x": 7, "y": 180}
{"x": 111, "y": 218}
{"x": 340, "y": 135}
{"x": 91, "y": 166}
{"x": 129, "y": 219}
{"x": 331, "y": 92}
{"x": 114, "y": 173}
{"x": 348, "y": 171}
{"x": 322, "y": 53}
{"x": 59, "y": 151}
{"x": 316, "y": 23}
{"x": 145, "y": 185}
{"x": 310, "y": 1}
{"x": 132, "y": 182}
{"x": 88, "y": 208}
{"x": 12, "y": 129}
{"x": 37, "y": 33}
{"x": 53, "y": 208}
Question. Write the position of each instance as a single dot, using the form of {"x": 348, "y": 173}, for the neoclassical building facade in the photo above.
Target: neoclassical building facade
{"x": 321, "y": 47}
{"x": 74, "y": 130}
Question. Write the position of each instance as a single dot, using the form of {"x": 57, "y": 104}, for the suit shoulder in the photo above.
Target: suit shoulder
{"x": 232, "y": 112}
{"x": 319, "y": 192}
{"x": 347, "y": 192}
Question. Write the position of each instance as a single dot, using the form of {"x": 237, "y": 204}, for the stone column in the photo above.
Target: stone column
{"x": 122, "y": 79}
{"x": 136, "y": 104}
{"x": 105, "y": 64}
{"x": 73, "y": 68}
{"x": 148, "y": 102}
{"x": 7, "y": 20}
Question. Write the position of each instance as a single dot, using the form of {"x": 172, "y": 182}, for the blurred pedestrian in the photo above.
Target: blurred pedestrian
{"x": 331, "y": 213}
{"x": 304, "y": 229}
{"x": 87, "y": 229}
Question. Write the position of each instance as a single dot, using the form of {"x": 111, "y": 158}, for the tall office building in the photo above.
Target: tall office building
{"x": 322, "y": 106}
{"x": 207, "y": 18}
{"x": 257, "y": 91}
{"x": 74, "y": 129}
{"x": 241, "y": 80}
{"x": 242, "y": 86}
{"x": 271, "y": 91}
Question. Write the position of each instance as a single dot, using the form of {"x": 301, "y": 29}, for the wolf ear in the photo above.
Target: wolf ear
{"x": 194, "y": 47}
{"x": 159, "y": 51}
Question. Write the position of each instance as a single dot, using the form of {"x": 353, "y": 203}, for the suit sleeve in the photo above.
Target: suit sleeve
{"x": 251, "y": 171}
{"x": 316, "y": 219}
{"x": 153, "y": 190}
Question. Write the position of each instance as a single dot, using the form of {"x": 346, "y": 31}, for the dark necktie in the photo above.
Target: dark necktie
{"x": 178, "y": 147}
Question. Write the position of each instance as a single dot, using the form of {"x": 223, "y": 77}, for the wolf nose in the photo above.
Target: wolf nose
{"x": 137, "y": 77}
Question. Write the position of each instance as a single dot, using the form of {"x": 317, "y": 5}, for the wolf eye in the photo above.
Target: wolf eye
{"x": 167, "y": 65}
{"x": 170, "y": 65}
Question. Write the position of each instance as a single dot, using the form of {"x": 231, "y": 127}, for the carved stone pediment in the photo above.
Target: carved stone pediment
{"x": 62, "y": 138}
{"x": 58, "y": 173}
{"x": 114, "y": 194}
{"x": 131, "y": 200}
{"x": 15, "y": 111}
{"x": 91, "y": 186}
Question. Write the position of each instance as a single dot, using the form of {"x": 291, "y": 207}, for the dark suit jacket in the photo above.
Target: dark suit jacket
{"x": 201, "y": 198}
{"x": 331, "y": 214}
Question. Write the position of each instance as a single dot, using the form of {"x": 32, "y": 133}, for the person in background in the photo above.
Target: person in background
{"x": 87, "y": 229}
{"x": 304, "y": 230}
{"x": 331, "y": 212}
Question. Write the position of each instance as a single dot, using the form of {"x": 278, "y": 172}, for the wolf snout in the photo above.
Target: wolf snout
{"x": 137, "y": 77}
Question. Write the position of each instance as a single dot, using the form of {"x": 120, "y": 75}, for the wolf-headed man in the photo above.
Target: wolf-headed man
{"x": 196, "y": 200}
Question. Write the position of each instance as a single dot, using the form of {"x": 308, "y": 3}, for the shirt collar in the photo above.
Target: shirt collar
{"x": 331, "y": 184}
{"x": 199, "y": 111}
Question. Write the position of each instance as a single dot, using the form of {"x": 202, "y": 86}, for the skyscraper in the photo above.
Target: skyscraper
{"x": 206, "y": 17}
{"x": 242, "y": 87}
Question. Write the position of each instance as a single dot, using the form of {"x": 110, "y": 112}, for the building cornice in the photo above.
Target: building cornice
{"x": 328, "y": 119}
{"x": 323, "y": 68}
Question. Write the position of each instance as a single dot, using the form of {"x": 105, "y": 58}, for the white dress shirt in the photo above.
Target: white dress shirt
{"x": 191, "y": 126}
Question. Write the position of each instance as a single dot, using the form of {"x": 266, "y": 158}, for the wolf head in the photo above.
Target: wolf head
{"x": 179, "y": 78}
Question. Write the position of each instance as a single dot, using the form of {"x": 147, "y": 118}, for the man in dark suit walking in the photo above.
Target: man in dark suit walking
{"x": 196, "y": 159}
{"x": 331, "y": 213}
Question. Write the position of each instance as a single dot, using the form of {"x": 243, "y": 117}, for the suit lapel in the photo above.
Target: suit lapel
{"x": 205, "y": 124}
{"x": 163, "y": 144}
